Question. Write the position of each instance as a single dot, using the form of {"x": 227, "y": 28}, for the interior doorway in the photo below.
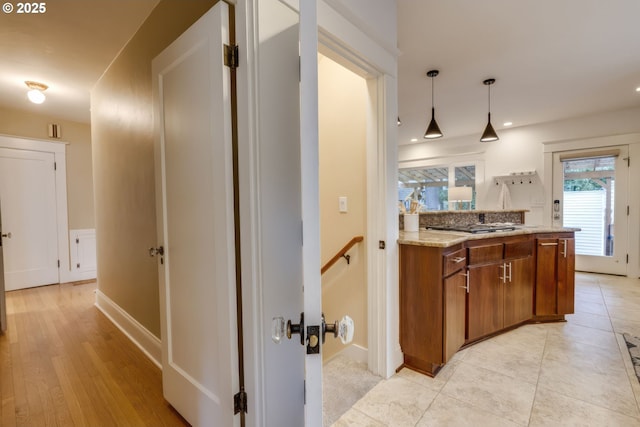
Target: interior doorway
{"x": 344, "y": 104}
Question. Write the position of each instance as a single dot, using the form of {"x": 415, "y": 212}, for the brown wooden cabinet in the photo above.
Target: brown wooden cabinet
{"x": 555, "y": 274}
{"x": 432, "y": 305}
{"x": 453, "y": 296}
{"x": 500, "y": 285}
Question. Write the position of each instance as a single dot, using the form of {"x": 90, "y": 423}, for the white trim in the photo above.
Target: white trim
{"x": 147, "y": 342}
{"x": 252, "y": 289}
{"x": 82, "y": 273}
{"x": 585, "y": 143}
{"x": 353, "y": 352}
{"x": 58, "y": 149}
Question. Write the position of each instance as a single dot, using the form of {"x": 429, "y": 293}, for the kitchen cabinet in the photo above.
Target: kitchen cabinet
{"x": 432, "y": 305}
{"x": 555, "y": 274}
{"x": 500, "y": 285}
{"x": 452, "y": 295}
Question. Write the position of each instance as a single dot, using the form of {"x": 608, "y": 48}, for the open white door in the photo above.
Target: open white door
{"x": 194, "y": 190}
{"x": 309, "y": 175}
{"x": 30, "y": 236}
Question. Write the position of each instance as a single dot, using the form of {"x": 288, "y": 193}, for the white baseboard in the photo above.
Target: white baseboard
{"x": 138, "y": 334}
{"x": 353, "y": 352}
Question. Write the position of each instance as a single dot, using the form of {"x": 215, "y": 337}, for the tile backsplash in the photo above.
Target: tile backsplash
{"x": 467, "y": 217}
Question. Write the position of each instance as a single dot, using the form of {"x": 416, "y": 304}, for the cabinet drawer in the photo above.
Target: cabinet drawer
{"x": 485, "y": 254}
{"x": 520, "y": 249}
{"x": 454, "y": 261}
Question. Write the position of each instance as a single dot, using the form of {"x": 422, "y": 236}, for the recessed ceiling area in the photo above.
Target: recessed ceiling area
{"x": 67, "y": 47}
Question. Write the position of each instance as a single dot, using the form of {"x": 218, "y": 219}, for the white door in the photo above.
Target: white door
{"x": 590, "y": 192}
{"x": 28, "y": 194}
{"x": 309, "y": 171}
{"x": 194, "y": 188}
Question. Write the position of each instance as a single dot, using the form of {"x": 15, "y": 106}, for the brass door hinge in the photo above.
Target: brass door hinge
{"x": 231, "y": 56}
{"x": 240, "y": 402}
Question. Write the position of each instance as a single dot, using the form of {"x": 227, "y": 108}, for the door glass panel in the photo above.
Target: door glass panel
{"x": 588, "y": 191}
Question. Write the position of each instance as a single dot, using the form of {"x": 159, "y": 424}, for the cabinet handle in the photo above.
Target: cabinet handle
{"x": 548, "y": 244}
{"x": 459, "y": 259}
{"x": 510, "y": 270}
{"x": 467, "y": 281}
{"x": 564, "y": 251}
{"x": 504, "y": 273}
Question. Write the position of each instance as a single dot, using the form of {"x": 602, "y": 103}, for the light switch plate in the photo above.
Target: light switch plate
{"x": 342, "y": 204}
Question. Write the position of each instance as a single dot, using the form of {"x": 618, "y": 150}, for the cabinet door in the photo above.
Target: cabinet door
{"x": 566, "y": 275}
{"x": 455, "y": 296}
{"x": 518, "y": 291}
{"x": 546, "y": 276}
{"x": 485, "y": 299}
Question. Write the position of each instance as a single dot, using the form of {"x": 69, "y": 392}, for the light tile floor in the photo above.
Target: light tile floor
{"x": 577, "y": 373}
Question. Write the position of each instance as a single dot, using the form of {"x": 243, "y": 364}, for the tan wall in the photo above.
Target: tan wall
{"x": 123, "y": 163}
{"x": 342, "y": 112}
{"x": 79, "y": 171}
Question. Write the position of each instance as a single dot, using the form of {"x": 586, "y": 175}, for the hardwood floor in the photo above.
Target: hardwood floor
{"x": 63, "y": 363}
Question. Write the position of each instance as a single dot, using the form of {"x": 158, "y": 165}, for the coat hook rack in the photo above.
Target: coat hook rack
{"x": 516, "y": 178}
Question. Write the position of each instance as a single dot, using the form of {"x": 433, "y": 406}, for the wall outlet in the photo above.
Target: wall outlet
{"x": 342, "y": 204}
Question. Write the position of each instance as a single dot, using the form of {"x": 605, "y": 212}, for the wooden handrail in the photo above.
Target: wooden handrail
{"x": 342, "y": 253}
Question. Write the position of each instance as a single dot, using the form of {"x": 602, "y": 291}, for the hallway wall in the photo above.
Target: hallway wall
{"x": 123, "y": 163}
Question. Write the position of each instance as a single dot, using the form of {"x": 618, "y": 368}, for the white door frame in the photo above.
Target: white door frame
{"x": 352, "y": 43}
{"x": 633, "y": 141}
{"x": 373, "y": 62}
{"x": 58, "y": 149}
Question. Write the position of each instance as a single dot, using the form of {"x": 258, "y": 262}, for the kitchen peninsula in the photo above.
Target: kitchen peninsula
{"x": 457, "y": 288}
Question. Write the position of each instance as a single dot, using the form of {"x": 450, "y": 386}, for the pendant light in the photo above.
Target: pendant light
{"x": 489, "y": 134}
{"x": 433, "y": 130}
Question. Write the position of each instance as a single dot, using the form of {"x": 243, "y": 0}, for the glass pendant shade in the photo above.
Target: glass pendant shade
{"x": 433, "y": 130}
{"x": 489, "y": 133}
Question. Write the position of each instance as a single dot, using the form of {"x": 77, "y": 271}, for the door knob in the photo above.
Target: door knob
{"x": 156, "y": 251}
{"x": 7, "y": 235}
{"x": 280, "y": 329}
{"x": 343, "y": 329}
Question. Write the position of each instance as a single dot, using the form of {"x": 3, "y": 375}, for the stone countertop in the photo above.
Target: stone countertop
{"x": 445, "y": 238}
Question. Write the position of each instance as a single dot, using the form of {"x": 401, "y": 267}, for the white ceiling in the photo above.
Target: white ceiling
{"x": 67, "y": 48}
{"x": 552, "y": 59}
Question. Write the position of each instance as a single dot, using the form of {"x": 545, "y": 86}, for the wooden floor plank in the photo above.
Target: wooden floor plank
{"x": 64, "y": 364}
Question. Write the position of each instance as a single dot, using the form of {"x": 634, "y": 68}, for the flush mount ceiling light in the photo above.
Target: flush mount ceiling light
{"x": 433, "y": 130}
{"x": 489, "y": 134}
{"x": 36, "y": 91}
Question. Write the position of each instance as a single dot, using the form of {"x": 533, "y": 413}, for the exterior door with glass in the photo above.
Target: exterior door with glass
{"x": 590, "y": 192}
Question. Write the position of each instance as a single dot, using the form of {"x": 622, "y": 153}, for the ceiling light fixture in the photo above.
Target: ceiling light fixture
{"x": 399, "y": 122}
{"x": 36, "y": 92}
{"x": 489, "y": 134}
{"x": 508, "y": 123}
{"x": 433, "y": 130}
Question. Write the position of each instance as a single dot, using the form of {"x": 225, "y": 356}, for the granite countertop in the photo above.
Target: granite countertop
{"x": 446, "y": 238}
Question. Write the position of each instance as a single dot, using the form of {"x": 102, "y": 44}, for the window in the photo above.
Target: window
{"x": 429, "y": 185}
